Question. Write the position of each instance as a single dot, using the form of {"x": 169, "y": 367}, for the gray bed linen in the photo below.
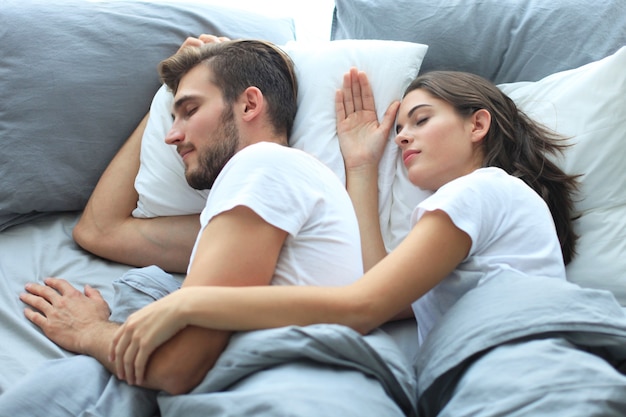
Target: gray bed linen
{"x": 30, "y": 252}
{"x": 502, "y": 40}
{"x": 309, "y": 371}
{"x": 78, "y": 385}
{"x": 319, "y": 370}
{"x": 89, "y": 84}
{"x": 301, "y": 371}
{"x": 526, "y": 346}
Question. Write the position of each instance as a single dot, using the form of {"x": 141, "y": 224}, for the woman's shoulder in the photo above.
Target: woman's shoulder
{"x": 492, "y": 180}
{"x": 485, "y": 189}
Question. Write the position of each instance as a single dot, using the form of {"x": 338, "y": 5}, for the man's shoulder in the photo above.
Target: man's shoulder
{"x": 275, "y": 155}
{"x": 271, "y": 148}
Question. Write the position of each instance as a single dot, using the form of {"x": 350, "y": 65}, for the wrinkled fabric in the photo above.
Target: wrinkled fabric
{"x": 519, "y": 344}
{"x": 303, "y": 371}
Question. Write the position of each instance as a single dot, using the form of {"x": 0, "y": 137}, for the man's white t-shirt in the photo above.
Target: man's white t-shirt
{"x": 510, "y": 226}
{"x": 295, "y": 192}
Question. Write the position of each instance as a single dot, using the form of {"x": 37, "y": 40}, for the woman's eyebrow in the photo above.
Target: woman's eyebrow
{"x": 410, "y": 113}
{"x": 417, "y": 107}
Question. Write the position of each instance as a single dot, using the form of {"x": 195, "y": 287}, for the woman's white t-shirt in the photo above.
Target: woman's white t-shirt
{"x": 295, "y": 192}
{"x": 511, "y": 229}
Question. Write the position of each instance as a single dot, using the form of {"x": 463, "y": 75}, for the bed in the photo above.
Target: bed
{"x": 77, "y": 76}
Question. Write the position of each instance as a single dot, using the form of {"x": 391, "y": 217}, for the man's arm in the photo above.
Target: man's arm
{"x": 108, "y": 229}
{"x": 237, "y": 248}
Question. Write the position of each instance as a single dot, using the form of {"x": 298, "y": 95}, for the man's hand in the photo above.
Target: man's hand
{"x": 67, "y": 316}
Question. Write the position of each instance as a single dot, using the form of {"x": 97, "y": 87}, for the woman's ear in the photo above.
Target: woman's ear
{"x": 481, "y": 122}
{"x": 252, "y": 103}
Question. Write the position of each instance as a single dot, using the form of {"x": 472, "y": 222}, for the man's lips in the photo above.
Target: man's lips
{"x": 183, "y": 152}
{"x": 409, "y": 154}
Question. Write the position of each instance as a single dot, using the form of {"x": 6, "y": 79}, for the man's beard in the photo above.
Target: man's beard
{"x": 213, "y": 159}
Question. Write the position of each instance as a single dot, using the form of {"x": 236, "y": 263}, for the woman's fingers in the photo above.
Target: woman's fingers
{"x": 128, "y": 361}
{"x": 190, "y": 42}
{"x": 355, "y": 88}
{"x": 366, "y": 94}
{"x": 347, "y": 95}
{"x": 206, "y": 38}
{"x": 356, "y": 93}
{"x": 389, "y": 118}
{"x": 133, "y": 344}
{"x": 201, "y": 40}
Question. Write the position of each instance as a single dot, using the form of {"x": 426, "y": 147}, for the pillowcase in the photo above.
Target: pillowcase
{"x": 501, "y": 40}
{"x": 319, "y": 66}
{"x": 77, "y": 77}
{"x": 588, "y": 105}
{"x": 160, "y": 182}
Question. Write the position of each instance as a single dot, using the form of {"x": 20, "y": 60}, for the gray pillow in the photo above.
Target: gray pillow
{"x": 77, "y": 76}
{"x": 502, "y": 40}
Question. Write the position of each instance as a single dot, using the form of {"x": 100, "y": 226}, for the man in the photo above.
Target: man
{"x": 274, "y": 215}
{"x": 107, "y": 227}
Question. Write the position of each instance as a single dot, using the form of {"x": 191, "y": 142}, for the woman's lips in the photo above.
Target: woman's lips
{"x": 408, "y": 155}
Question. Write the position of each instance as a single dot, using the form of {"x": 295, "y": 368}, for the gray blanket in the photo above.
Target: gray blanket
{"x": 526, "y": 346}
{"x": 321, "y": 370}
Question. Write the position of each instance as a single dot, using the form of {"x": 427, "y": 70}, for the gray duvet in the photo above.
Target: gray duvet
{"x": 520, "y": 346}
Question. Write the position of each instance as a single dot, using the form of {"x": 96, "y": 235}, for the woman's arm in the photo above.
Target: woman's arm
{"x": 430, "y": 252}
{"x": 362, "y": 140}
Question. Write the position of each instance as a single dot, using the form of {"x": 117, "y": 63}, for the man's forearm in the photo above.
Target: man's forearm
{"x": 182, "y": 362}
{"x": 176, "y": 367}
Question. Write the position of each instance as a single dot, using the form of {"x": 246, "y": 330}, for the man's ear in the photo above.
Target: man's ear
{"x": 481, "y": 122}
{"x": 252, "y": 102}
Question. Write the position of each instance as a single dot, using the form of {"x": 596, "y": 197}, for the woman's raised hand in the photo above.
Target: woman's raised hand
{"x": 362, "y": 138}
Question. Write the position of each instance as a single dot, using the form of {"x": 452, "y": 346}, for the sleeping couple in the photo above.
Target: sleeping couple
{"x": 282, "y": 244}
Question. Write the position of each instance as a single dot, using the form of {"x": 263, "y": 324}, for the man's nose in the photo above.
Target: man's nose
{"x": 174, "y": 136}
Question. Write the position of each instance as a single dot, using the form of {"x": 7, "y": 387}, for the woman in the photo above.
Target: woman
{"x": 498, "y": 205}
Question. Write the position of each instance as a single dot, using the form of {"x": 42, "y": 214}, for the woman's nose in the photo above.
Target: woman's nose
{"x": 402, "y": 138}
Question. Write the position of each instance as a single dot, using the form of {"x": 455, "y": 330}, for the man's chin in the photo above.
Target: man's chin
{"x": 196, "y": 183}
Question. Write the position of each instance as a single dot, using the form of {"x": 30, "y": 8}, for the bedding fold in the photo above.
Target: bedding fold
{"x": 519, "y": 344}
{"x": 305, "y": 371}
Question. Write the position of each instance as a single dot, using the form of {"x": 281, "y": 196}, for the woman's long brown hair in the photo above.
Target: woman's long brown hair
{"x": 514, "y": 143}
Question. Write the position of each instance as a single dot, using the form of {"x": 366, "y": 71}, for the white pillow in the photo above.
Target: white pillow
{"x": 160, "y": 182}
{"x": 390, "y": 65}
{"x": 588, "y": 105}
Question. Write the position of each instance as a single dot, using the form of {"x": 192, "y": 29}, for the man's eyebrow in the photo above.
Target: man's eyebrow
{"x": 181, "y": 101}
